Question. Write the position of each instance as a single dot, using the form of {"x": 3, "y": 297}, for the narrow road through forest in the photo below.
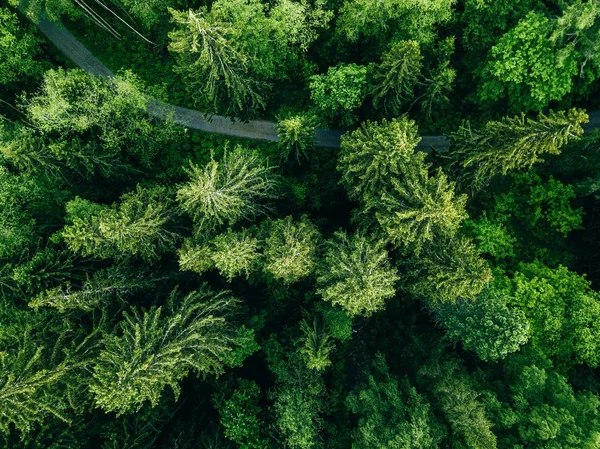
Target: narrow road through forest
{"x": 253, "y": 129}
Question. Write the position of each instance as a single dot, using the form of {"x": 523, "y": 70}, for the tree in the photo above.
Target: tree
{"x": 374, "y": 154}
{"x": 105, "y": 286}
{"x": 213, "y": 65}
{"x": 403, "y": 19}
{"x": 227, "y": 191}
{"x": 356, "y": 274}
{"x": 135, "y": 227}
{"x": 339, "y": 92}
{"x": 391, "y": 413}
{"x": 397, "y": 76}
{"x": 149, "y": 12}
{"x": 18, "y": 49}
{"x": 316, "y": 345}
{"x": 157, "y": 349}
{"x": 418, "y": 208}
{"x": 511, "y": 144}
{"x": 486, "y": 326}
{"x": 447, "y": 269}
{"x": 525, "y": 68}
{"x": 240, "y": 416}
{"x": 291, "y": 249}
{"x": 296, "y": 136}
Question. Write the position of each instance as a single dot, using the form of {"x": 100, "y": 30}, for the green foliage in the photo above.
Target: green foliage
{"x": 407, "y": 19}
{"x": 391, "y": 413}
{"x": 149, "y": 12}
{"x": 227, "y": 191}
{"x": 356, "y": 274}
{"x": 374, "y": 154}
{"x": 511, "y": 144}
{"x": 562, "y": 310}
{"x": 291, "y": 249}
{"x": 156, "y": 349}
{"x": 339, "y": 92}
{"x": 296, "y": 136}
{"x": 316, "y": 345}
{"x": 135, "y": 227}
{"x": 525, "y": 68}
{"x": 447, "y": 269}
{"x": 396, "y": 76}
{"x": 486, "y": 326}
{"x": 18, "y": 49}
{"x": 240, "y": 416}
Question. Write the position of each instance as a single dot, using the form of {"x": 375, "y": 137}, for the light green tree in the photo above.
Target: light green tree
{"x": 374, "y": 154}
{"x": 396, "y": 76}
{"x": 296, "y": 136}
{"x": 224, "y": 192}
{"x": 18, "y": 49}
{"x": 159, "y": 347}
{"x": 290, "y": 249}
{"x": 356, "y": 274}
{"x": 317, "y": 345}
{"x": 135, "y": 227}
{"x": 514, "y": 143}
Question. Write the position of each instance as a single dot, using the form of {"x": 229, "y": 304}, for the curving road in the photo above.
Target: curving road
{"x": 253, "y": 129}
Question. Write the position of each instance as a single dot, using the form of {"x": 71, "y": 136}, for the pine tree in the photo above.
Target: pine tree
{"x": 374, "y": 154}
{"x": 224, "y": 192}
{"x": 397, "y": 76}
{"x": 511, "y": 144}
{"x": 159, "y": 347}
{"x": 296, "y": 136}
{"x": 356, "y": 274}
{"x": 290, "y": 249}
{"x": 316, "y": 345}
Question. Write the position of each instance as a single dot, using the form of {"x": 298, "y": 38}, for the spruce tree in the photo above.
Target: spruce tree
{"x": 224, "y": 192}
{"x": 356, "y": 274}
{"x": 513, "y": 143}
{"x": 159, "y": 347}
{"x": 296, "y": 136}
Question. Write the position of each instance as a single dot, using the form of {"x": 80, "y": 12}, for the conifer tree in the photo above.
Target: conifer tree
{"x": 514, "y": 143}
{"x": 133, "y": 227}
{"x": 374, "y": 154}
{"x": 356, "y": 274}
{"x": 296, "y": 136}
{"x": 316, "y": 345}
{"x": 417, "y": 208}
{"x": 397, "y": 76}
{"x": 448, "y": 269}
{"x": 159, "y": 347}
{"x": 224, "y": 192}
{"x": 290, "y": 249}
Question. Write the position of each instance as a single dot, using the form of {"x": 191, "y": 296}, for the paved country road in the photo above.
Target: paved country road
{"x": 253, "y": 129}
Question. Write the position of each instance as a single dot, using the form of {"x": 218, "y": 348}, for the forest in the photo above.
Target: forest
{"x": 164, "y": 287}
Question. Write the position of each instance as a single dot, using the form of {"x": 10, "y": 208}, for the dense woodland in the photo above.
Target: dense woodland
{"x": 163, "y": 288}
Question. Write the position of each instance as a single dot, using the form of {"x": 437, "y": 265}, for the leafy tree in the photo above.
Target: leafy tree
{"x": 18, "y": 49}
{"x": 316, "y": 345}
{"x": 296, "y": 136}
{"x": 406, "y": 19}
{"x": 391, "y": 413}
{"x": 397, "y": 76}
{"x": 356, "y": 274}
{"x": 134, "y": 227}
{"x": 511, "y": 144}
{"x": 447, "y": 269}
{"x": 148, "y": 12}
{"x": 339, "y": 92}
{"x": 227, "y": 191}
{"x": 240, "y": 416}
{"x": 156, "y": 349}
{"x": 291, "y": 249}
{"x": 374, "y": 154}
{"x": 486, "y": 326}
{"x": 535, "y": 406}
